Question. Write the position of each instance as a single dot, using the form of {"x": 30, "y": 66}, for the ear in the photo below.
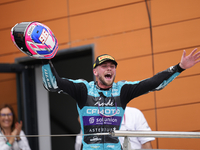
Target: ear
{"x": 95, "y": 71}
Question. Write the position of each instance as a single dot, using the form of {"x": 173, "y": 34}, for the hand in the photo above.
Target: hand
{"x": 16, "y": 131}
{"x": 18, "y": 127}
{"x": 190, "y": 60}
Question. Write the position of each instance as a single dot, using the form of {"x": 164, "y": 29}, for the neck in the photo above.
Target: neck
{"x": 102, "y": 86}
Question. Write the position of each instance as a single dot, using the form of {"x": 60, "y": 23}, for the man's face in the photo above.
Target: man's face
{"x": 105, "y": 74}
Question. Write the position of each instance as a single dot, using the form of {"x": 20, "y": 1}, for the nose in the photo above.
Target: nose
{"x": 109, "y": 69}
{"x": 6, "y": 116}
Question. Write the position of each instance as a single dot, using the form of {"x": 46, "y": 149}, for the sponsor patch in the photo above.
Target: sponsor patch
{"x": 98, "y": 120}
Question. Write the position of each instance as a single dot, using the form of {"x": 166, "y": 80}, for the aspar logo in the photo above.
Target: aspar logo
{"x": 91, "y": 120}
{"x": 112, "y": 146}
{"x": 109, "y": 103}
{"x": 95, "y": 138}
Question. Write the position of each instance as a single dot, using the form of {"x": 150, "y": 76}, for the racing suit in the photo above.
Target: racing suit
{"x": 102, "y": 110}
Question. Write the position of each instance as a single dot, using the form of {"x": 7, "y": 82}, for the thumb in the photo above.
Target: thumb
{"x": 184, "y": 54}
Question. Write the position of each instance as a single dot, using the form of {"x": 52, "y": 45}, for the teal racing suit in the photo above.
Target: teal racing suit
{"x": 102, "y": 110}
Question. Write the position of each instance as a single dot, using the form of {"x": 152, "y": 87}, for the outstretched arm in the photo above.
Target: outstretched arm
{"x": 190, "y": 60}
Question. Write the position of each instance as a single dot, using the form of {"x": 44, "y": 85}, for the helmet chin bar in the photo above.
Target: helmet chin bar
{"x": 18, "y": 32}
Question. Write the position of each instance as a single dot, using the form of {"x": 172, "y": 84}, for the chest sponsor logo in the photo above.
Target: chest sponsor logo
{"x": 98, "y": 120}
{"x": 109, "y": 103}
{"x": 104, "y": 111}
{"x": 100, "y": 130}
{"x": 91, "y": 120}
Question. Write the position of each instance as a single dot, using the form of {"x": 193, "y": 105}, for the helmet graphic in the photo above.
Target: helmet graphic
{"x": 34, "y": 39}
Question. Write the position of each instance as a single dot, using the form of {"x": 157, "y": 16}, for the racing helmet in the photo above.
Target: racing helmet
{"x": 34, "y": 39}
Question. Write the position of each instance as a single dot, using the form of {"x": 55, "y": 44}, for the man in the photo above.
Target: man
{"x": 135, "y": 120}
{"x": 101, "y": 104}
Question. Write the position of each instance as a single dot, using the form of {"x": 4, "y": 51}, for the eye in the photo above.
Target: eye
{"x": 112, "y": 66}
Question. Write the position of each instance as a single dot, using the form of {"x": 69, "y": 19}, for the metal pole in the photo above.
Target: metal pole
{"x": 126, "y": 144}
{"x": 157, "y": 134}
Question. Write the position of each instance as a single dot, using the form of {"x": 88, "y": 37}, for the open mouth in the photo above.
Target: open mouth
{"x": 108, "y": 76}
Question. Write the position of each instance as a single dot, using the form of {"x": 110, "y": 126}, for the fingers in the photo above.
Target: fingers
{"x": 197, "y": 55}
{"x": 184, "y": 53}
{"x": 18, "y": 125}
{"x": 197, "y": 61}
{"x": 192, "y": 53}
